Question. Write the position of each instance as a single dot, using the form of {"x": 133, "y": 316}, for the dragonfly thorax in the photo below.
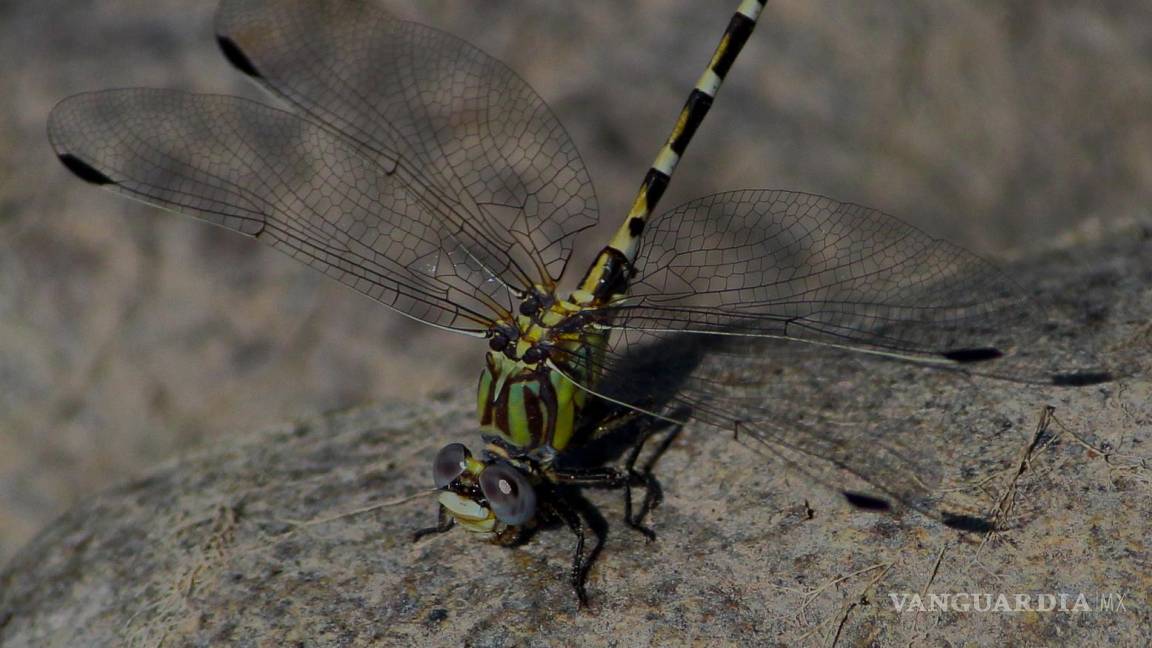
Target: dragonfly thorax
{"x": 526, "y": 396}
{"x": 542, "y": 323}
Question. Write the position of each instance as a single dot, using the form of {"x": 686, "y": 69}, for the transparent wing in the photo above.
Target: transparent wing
{"x": 816, "y": 408}
{"x": 465, "y": 123}
{"x": 812, "y": 270}
{"x": 272, "y": 175}
{"x": 776, "y": 316}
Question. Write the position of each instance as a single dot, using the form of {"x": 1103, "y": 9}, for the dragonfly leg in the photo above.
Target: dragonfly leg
{"x": 628, "y": 476}
{"x": 444, "y": 522}
{"x": 608, "y": 477}
{"x": 615, "y": 419}
{"x": 653, "y": 491}
{"x": 580, "y": 516}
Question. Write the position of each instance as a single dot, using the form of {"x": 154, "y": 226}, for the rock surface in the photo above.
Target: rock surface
{"x": 128, "y": 336}
{"x": 285, "y": 537}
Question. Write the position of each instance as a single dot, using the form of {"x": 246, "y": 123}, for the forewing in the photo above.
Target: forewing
{"x": 813, "y": 270}
{"x": 799, "y": 322}
{"x": 272, "y": 175}
{"x": 466, "y": 124}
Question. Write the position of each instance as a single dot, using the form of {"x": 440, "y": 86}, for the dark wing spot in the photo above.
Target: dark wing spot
{"x": 83, "y": 170}
{"x": 867, "y": 502}
{"x": 970, "y": 523}
{"x": 1082, "y": 379}
{"x": 236, "y": 57}
{"x": 973, "y": 355}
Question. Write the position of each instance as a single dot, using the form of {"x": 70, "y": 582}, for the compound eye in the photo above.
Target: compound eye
{"x": 529, "y": 306}
{"x": 509, "y": 494}
{"x": 449, "y": 464}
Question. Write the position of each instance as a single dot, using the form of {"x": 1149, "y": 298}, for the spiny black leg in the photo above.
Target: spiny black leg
{"x": 578, "y": 574}
{"x": 616, "y": 420}
{"x": 599, "y": 527}
{"x": 645, "y": 478}
{"x": 653, "y": 491}
{"x": 636, "y": 522}
{"x": 444, "y": 522}
{"x": 663, "y": 447}
{"x": 577, "y": 514}
{"x": 608, "y": 478}
{"x": 627, "y": 477}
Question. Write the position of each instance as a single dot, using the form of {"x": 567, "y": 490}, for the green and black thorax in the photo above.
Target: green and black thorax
{"x": 528, "y": 394}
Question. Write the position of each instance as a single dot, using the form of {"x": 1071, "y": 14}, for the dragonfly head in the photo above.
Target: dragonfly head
{"x": 485, "y": 496}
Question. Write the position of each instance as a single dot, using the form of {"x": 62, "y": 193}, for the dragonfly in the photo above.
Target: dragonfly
{"x": 417, "y": 170}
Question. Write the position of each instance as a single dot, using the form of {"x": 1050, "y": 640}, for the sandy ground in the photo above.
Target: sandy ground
{"x": 127, "y": 337}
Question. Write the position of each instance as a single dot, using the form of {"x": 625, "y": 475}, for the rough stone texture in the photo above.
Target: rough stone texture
{"x": 245, "y": 544}
{"x": 128, "y": 336}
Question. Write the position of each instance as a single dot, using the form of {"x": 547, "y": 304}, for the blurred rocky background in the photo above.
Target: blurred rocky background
{"x": 128, "y": 336}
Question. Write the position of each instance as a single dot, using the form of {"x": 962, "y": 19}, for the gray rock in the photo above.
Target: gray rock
{"x": 128, "y": 336}
{"x": 287, "y": 536}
